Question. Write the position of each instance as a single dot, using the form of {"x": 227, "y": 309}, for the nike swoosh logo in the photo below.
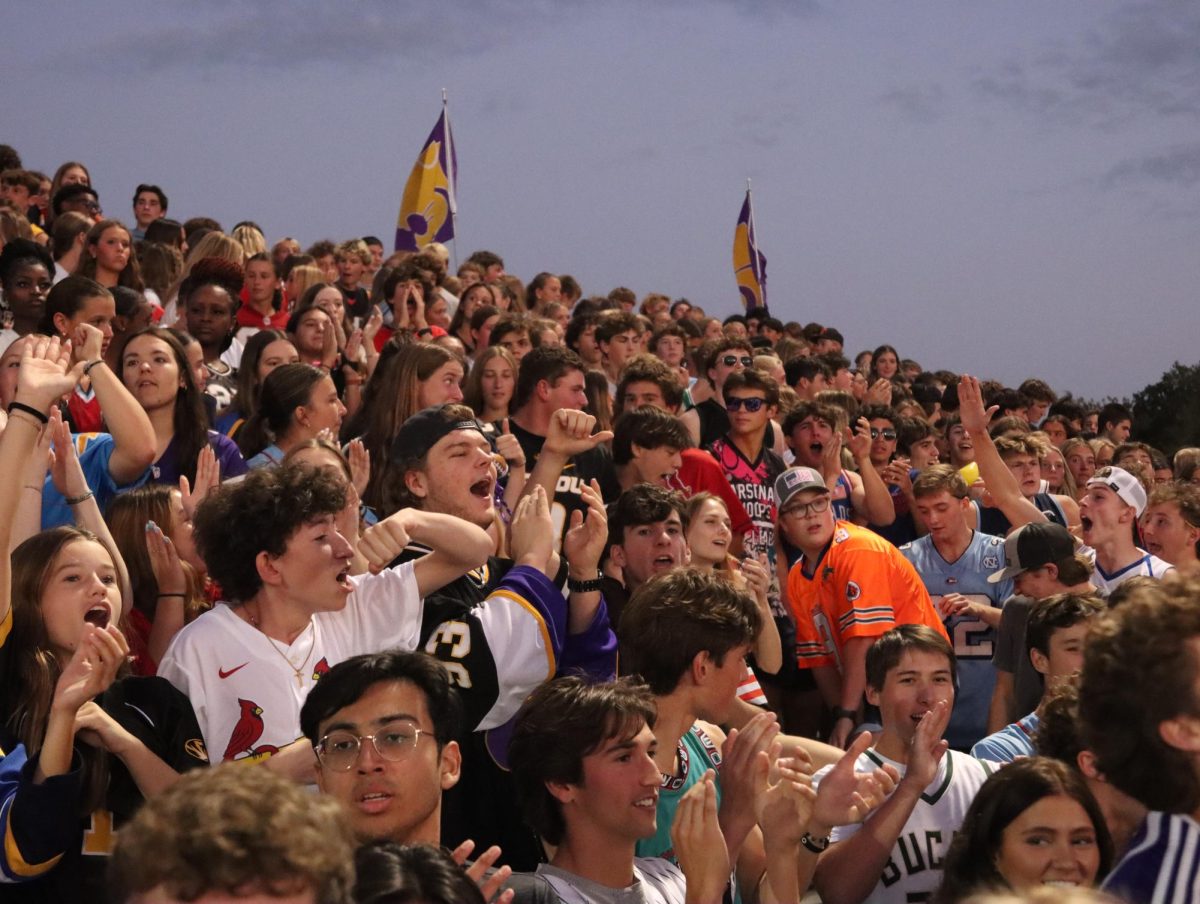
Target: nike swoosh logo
{"x": 224, "y": 674}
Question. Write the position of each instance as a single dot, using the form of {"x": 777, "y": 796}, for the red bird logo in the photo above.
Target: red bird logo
{"x": 249, "y": 729}
{"x": 321, "y": 668}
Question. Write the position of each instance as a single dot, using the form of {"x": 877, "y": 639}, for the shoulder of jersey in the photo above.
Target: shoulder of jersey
{"x": 841, "y": 535}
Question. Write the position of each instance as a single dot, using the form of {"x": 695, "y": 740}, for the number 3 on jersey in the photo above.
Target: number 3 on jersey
{"x": 452, "y": 641}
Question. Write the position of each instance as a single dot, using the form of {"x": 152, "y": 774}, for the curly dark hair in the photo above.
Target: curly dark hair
{"x": 261, "y": 513}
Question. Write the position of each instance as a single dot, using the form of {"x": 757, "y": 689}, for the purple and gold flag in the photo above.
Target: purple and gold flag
{"x": 428, "y": 207}
{"x": 749, "y": 265}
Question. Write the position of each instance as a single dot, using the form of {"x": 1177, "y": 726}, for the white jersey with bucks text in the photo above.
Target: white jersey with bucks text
{"x": 914, "y": 868}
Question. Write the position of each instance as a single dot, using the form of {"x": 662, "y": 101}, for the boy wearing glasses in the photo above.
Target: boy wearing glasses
{"x": 708, "y": 421}
{"x": 383, "y": 726}
{"x": 849, "y": 587}
{"x": 749, "y": 465}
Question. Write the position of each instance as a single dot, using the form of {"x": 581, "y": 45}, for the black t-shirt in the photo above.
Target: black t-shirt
{"x": 714, "y": 422}
{"x": 159, "y": 716}
{"x": 483, "y": 805}
{"x": 594, "y": 464}
{"x": 358, "y": 301}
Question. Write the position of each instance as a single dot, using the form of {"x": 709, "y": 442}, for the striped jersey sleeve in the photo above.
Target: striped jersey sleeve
{"x": 37, "y": 822}
{"x": 1162, "y": 863}
{"x": 504, "y": 647}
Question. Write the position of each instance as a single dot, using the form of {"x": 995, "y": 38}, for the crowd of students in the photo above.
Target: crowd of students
{"x": 554, "y": 597}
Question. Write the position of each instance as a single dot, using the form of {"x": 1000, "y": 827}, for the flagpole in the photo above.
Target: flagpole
{"x": 453, "y": 178}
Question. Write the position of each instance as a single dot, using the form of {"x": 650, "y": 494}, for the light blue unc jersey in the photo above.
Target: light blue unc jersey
{"x": 973, "y": 640}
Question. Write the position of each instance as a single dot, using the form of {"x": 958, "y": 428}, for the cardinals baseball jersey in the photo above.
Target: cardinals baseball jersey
{"x": 247, "y": 689}
{"x": 914, "y": 868}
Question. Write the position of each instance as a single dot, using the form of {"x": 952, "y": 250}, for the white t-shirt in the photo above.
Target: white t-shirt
{"x": 914, "y": 867}
{"x": 244, "y": 686}
{"x": 655, "y": 881}
{"x": 1147, "y": 566}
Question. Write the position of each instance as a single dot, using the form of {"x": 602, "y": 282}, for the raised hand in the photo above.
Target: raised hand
{"x": 928, "y": 747}
{"x": 372, "y": 327}
{"x": 785, "y": 803}
{"x": 208, "y": 478}
{"x": 93, "y": 667}
{"x": 65, "y": 470}
{"x": 164, "y": 561}
{"x": 585, "y": 539}
{"x": 879, "y": 393}
{"x": 858, "y": 439}
{"x": 831, "y": 455}
{"x": 382, "y": 542}
{"x": 570, "y": 433}
{"x": 417, "y": 296}
{"x": 744, "y": 768}
{"x": 699, "y": 844}
{"x": 509, "y": 447}
{"x": 354, "y": 345}
{"x": 896, "y": 473}
{"x": 477, "y": 871}
{"x": 845, "y": 796}
{"x": 88, "y": 342}
{"x": 359, "y": 458}
{"x": 46, "y": 374}
{"x": 970, "y": 405}
{"x": 758, "y": 576}
{"x": 531, "y": 533}
{"x": 329, "y": 346}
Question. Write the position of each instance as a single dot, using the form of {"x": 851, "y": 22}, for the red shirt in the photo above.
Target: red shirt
{"x": 700, "y": 473}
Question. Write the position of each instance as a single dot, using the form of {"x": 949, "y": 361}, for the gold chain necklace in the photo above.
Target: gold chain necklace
{"x": 298, "y": 672}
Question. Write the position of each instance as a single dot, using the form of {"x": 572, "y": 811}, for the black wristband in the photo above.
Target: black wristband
{"x": 87, "y": 368}
{"x": 590, "y": 586}
{"x": 28, "y": 409}
{"x": 840, "y": 713}
{"x": 816, "y": 845}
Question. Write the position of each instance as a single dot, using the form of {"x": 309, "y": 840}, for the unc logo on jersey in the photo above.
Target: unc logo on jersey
{"x": 853, "y": 591}
{"x": 991, "y": 562}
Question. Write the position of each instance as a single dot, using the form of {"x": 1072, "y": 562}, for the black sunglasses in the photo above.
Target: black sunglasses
{"x": 735, "y": 403}
{"x": 887, "y": 433}
{"x": 731, "y": 360}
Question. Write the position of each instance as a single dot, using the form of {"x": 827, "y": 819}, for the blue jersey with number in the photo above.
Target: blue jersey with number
{"x": 973, "y": 640}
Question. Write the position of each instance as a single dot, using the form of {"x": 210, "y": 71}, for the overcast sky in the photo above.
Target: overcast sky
{"x": 1010, "y": 188}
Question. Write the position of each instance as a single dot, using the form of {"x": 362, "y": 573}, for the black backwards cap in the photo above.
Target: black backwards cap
{"x": 423, "y": 430}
